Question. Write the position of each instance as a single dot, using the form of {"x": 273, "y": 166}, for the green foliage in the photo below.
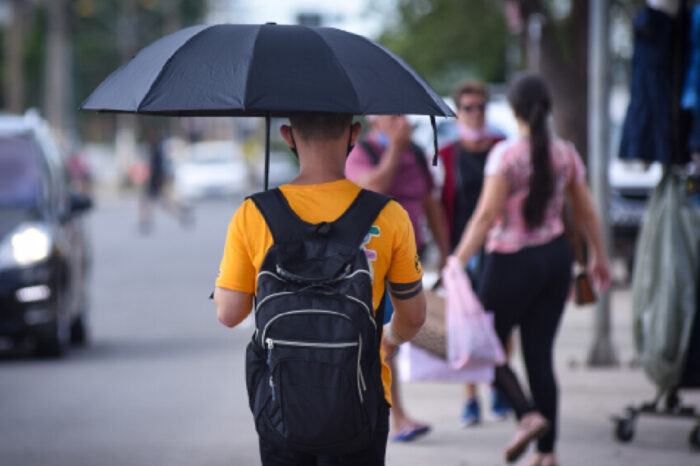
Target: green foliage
{"x": 96, "y": 38}
{"x": 448, "y": 40}
{"x": 97, "y": 29}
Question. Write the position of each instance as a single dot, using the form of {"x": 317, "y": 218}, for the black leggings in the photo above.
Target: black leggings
{"x": 528, "y": 289}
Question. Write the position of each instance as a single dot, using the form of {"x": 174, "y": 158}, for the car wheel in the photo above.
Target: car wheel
{"x": 79, "y": 331}
{"x": 55, "y": 341}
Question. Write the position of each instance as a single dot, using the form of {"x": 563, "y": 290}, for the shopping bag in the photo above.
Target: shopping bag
{"x": 418, "y": 365}
{"x": 471, "y": 338}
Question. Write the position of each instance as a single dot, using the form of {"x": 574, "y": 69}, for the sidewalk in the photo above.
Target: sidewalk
{"x": 588, "y": 399}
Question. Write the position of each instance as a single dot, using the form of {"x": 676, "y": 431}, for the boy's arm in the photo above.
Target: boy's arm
{"x": 408, "y": 318}
{"x": 232, "y": 306}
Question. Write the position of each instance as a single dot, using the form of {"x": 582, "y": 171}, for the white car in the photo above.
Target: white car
{"x": 212, "y": 169}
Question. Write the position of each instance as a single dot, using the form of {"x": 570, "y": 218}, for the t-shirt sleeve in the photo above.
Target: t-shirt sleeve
{"x": 578, "y": 174}
{"x": 357, "y": 164}
{"x": 405, "y": 267}
{"x": 497, "y": 161}
{"x": 237, "y": 271}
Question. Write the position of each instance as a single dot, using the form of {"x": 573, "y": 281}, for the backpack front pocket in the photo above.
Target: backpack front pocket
{"x": 318, "y": 390}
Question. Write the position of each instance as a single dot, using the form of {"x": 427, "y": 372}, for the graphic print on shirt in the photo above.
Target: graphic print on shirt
{"x": 370, "y": 253}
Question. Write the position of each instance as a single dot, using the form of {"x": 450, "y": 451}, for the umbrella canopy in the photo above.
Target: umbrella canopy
{"x": 265, "y": 70}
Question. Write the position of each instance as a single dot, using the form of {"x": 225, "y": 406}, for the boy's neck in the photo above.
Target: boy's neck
{"x": 319, "y": 164}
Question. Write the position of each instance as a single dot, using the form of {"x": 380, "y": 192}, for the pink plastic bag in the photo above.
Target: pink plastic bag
{"x": 471, "y": 338}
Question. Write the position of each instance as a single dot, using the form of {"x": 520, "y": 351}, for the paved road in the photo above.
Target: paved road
{"x": 162, "y": 382}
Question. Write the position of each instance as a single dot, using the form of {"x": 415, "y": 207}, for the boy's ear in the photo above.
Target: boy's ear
{"x": 286, "y": 133}
{"x": 356, "y": 128}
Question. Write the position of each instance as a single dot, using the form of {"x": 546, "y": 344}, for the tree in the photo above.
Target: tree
{"x": 73, "y": 45}
{"x": 14, "y": 47}
{"x": 448, "y": 40}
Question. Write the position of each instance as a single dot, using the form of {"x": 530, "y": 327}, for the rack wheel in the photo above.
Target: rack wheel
{"x": 624, "y": 429}
{"x": 694, "y": 437}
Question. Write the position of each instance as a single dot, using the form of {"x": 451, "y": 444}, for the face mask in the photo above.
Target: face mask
{"x": 469, "y": 134}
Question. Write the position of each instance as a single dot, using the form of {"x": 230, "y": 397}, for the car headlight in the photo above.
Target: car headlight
{"x": 27, "y": 244}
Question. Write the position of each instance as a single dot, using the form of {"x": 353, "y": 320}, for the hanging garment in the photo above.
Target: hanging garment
{"x": 690, "y": 99}
{"x": 646, "y": 133}
{"x": 664, "y": 282}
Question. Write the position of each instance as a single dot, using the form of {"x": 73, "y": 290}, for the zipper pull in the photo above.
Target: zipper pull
{"x": 272, "y": 389}
{"x": 270, "y": 345}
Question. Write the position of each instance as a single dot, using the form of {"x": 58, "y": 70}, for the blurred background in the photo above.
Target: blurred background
{"x": 98, "y": 269}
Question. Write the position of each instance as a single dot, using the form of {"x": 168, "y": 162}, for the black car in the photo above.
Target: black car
{"x": 44, "y": 258}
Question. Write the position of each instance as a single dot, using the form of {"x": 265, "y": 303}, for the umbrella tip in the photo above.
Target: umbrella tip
{"x": 272, "y": 23}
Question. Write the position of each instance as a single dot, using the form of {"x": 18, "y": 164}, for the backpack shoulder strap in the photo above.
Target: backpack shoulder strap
{"x": 371, "y": 151}
{"x": 283, "y": 223}
{"x": 352, "y": 227}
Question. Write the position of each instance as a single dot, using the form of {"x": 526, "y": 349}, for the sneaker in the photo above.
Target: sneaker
{"x": 410, "y": 432}
{"x": 471, "y": 415}
{"x": 499, "y": 406}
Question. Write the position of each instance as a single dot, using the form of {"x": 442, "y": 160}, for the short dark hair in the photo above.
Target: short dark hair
{"x": 320, "y": 125}
{"x": 470, "y": 87}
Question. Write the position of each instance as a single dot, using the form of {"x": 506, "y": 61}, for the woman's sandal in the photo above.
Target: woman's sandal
{"x": 543, "y": 459}
{"x": 531, "y": 427}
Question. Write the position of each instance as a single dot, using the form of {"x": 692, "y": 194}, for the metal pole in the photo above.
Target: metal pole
{"x": 602, "y": 352}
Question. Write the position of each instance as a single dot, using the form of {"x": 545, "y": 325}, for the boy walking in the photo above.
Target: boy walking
{"x": 316, "y": 376}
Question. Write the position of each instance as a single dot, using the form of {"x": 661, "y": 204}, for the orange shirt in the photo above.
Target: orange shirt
{"x": 390, "y": 244}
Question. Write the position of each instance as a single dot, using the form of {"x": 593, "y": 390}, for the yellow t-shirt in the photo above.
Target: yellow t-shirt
{"x": 390, "y": 244}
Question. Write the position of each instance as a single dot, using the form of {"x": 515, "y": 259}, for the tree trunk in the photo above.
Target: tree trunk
{"x": 56, "y": 84}
{"x": 14, "y": 57}
{"x": 563, "y": 62}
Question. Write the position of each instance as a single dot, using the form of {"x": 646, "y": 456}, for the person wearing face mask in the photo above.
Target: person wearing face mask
{"x": 387, "y": 161}
{"x": 463, "y": 162}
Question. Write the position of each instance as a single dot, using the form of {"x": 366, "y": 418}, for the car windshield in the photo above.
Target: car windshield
{"x": 20, "y": 173}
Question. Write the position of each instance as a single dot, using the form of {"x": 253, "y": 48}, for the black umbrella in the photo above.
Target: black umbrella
{"x": 265, "y": 70}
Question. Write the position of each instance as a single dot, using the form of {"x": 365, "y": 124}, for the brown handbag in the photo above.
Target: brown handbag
{"x": 432, "y": 336}
{"x": 583, "y": 289}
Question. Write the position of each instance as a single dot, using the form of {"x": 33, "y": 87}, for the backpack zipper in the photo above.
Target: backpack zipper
{"x": 274, "y": 295}
{"x": 308, "y": 344}
{"x": 369, "y": 312}
{"x": 352, "y": 298}
{"x": 300, "y": 311}
{"x": 361, "y": 385}
{"x": 343, "y": 277}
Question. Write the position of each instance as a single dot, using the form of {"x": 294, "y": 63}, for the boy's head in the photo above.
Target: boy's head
{"x": 328, "y": 129}
{"x": 319, "y": 125}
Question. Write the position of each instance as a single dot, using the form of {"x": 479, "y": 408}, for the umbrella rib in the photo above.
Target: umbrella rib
{"x": 165, "y": 65}
{"x": 340, "y": 65}
{"x": 250, "y": 69}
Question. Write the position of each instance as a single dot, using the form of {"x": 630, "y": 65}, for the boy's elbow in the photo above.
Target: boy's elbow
{"x": 225, "y": 312}
{"x": 225, "y": 317}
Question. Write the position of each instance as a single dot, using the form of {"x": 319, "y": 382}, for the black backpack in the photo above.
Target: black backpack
{"x": 313, "y": 370}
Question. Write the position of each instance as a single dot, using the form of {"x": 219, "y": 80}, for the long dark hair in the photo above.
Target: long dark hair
{"x": 531, "y": 101}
